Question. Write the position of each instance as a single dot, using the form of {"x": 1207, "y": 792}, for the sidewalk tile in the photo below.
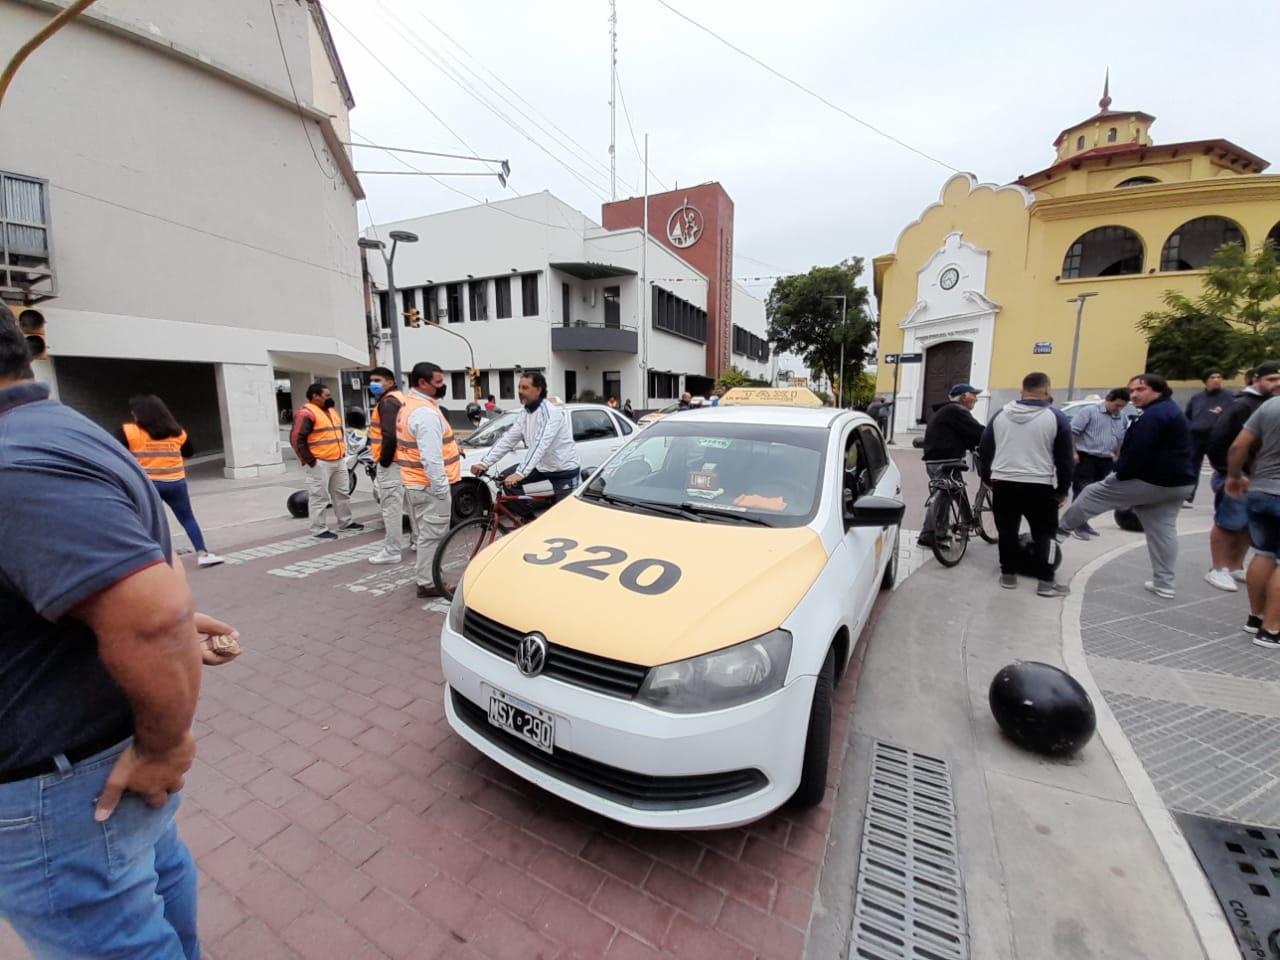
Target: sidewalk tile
{"x": 294, "y": 850}
{"x": 624, "y": 862}
{"x": 573, "y": 926}
{"x": 695, "y": 897}
{"x": 396, "y": 928}
{"x": 452, "y": 905}
{"x": 737, "y": 879}
{"x": 322, "y": 936}
{"x": 253, "y": 938}
{"x": 575, "y": 877}
{"x": 399, "y": 871}
{"x": 690, "y": 940}
{"x": 351, "y": 838}
{"x": 502, "y": 937}
{"x": 323, "y": 778}
{"x": 509, "y": 887}
{"x": 337, "y": 882}
{"x": 633, "y": 911}
{"x": 256, "y": 823}
{"x": 362, "y": 801}
{"x": 769, "y": 936}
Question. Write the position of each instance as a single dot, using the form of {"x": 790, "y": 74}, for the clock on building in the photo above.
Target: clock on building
{"x": 950, "y": 277}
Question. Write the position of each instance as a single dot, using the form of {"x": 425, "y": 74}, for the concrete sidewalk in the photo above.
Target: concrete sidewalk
{"x": 1059, "y": 858}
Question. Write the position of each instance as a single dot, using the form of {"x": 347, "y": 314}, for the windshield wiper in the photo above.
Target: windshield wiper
{"x": 658, "y": 508}
{"x": 701, "y": 510}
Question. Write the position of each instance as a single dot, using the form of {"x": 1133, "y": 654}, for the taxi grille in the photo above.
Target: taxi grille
{"x": 613, "y": 677}
{"x": 640, "y": 791}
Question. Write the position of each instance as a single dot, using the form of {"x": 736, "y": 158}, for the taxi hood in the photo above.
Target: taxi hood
{"x": 641, "y": 588}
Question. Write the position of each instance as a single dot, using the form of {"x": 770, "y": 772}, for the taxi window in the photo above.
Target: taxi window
{"x": 752, "y": 473}
{"x": 877, "y": 459}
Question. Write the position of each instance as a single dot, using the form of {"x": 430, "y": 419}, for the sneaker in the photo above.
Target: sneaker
{"x": 1267, "y": 639}
{"x": 382, "y": 557}
{"x": 1054, "y": 591}
{"x": 1064, "y": 532}
{"x": 325, "y": 535}
{"x": 1253, "y": 624}
{"x": 1187, "y": 505}
{"x": 1082, "y": 533}
{"x": 427, "y": 590}
{"x": 1239, "y": 576}
{"x": 1221, "y": 580}
{"x": 1165, "y": 592}
{"x": 209, "y": 560}
{"x": 925, "y": 539}
{"x": 1009, "y": 581}
{"x": 353, "y": 526}
{"x": 1088, "y": 528}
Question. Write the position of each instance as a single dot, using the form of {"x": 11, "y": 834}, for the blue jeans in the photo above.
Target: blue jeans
{"x": 72, "y": 887}
{"x": 175, "y": 494}
{"x": 1229, "y": 513}
{"x": 1264, "y": 522}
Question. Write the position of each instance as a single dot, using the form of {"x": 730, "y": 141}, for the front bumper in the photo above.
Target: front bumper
{"x": 630, "y": 762}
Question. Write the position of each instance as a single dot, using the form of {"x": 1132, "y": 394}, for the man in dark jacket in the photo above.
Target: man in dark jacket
{"x": 951, "y": 434}
{"x": 1153, "y": 476}
{"x": 1202, "y": 413}
{"x": 1229, "y": 538}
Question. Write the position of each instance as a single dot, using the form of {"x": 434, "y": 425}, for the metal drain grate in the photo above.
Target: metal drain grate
{"x": 1242, "y": 863}
{"x": 910, "y": 898}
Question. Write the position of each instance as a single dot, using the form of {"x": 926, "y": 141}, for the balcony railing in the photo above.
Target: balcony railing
{"x": 595, "y": 335}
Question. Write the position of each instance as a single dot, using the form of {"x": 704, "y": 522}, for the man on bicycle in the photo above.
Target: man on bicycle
{"x": 951, "y": 434}
{"x": 550, "y": 453}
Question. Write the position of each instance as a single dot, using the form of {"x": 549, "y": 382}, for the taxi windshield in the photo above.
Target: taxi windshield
{"x": 748, "y": 473}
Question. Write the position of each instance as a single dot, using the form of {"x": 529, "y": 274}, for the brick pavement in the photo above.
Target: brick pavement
{"x": 333, "y": 814}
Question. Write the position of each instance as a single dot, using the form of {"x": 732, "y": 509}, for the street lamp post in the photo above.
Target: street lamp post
{"x": 844, "y": 320}
{"x": 1078, "y": 300}
{"x": 395, "y": 321}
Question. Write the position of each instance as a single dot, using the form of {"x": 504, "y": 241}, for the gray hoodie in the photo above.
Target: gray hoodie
{"x": 1028, "y": 441}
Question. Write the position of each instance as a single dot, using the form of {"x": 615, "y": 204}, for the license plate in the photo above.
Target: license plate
{"x": 523, "y": 719}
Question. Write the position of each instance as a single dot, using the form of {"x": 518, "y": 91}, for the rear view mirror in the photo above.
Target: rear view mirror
{"x": 873, "y": 511}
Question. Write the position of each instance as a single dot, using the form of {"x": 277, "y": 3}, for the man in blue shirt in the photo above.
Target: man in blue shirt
{"x": 1097, "y": 432}
{"x": 99, "y": 671}
{"x": 1153, "y": 476}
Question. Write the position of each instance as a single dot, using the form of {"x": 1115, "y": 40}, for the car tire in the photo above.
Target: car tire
{"x": 817, "y": 742}
{"x": 891, "y": 568}
{"x": 469, "y": 501}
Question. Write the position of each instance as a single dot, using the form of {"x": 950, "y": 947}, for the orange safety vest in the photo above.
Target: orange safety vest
{"x": 375, "y": 424}
{"x": 161, "y": 459}
{"x": 326, "y": 437}
{"x": 410, "y": 457}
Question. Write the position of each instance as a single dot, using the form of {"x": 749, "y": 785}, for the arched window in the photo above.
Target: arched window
{"x": 1111, "y": 135}
{"x": 1104, "y": 252}
{"x": 1136, "y": 182}
{"x": 1274, "y": 237}
{"x": 1080, "y": 143}
{"x": 1192, "y": 244}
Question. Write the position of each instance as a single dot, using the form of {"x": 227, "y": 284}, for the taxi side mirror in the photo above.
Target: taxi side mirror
{"x": 873, "y": 511}
{"x": 586, "y": 473}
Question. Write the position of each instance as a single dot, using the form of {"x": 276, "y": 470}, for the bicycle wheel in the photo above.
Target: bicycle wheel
{"x": 985, "y": 516}
{"x": 950, "y": 529}
{"x": 455, "y": 551}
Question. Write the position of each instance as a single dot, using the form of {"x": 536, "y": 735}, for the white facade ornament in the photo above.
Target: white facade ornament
{"x": 684, "y": 226}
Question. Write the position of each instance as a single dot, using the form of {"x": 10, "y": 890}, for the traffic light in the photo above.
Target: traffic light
{"x": 413, "y": 318}
{"x": 474, "y": 376}
{"x": 31, "y": 323}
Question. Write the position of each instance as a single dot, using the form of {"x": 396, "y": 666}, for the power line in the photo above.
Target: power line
{"x": 812, "y": 93}
{"x": 306, "y": 132}
{"x": 627, "y": 113}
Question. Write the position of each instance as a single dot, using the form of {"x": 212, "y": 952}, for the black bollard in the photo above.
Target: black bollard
{"x": 1042, "y": 708}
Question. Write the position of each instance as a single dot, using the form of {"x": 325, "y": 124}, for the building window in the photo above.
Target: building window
{"x": 529, "y": 294}
{"x": 24, "y": 236}
{"x": 459, "y": 385}
{"x": 430, "y": 305}
{"x": 664, "y": 386}
{"x": 1274, "y": 238}
{"x": 384, "y": 309}
{"x": 1193, "y": 244}
{"x": 479, "y": 293}
{"x": 613, "y": 307}
{"x": 1079, "y": 143}
{"x": 502, "y": 297}
{"x": 1136, "y": 182}
{"x": 453, "y": 302}
{"x": 613, "y": 385}
{"x": 564, "y": 304}
{"x": 1111, "y": 135}
{"x": 1104, "y": 252}
{"x": 677, "y": 316}
{"x": 506, "y": 384}
{"x": 408, "y": 301}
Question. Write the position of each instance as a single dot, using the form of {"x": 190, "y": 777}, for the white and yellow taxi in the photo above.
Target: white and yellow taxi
{"x": 661, "y": 647}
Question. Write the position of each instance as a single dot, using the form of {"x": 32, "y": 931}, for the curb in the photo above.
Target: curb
{"x": 1198, "y": 897}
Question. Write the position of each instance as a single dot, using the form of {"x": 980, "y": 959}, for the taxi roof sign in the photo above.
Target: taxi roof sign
{"x": 771, "y": 397}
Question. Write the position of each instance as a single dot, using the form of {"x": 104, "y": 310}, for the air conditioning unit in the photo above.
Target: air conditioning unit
{"x": 442, "y": 313}
{"x": 384, "y": 336}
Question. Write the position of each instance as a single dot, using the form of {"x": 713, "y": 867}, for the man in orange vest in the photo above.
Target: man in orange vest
{"x": 430, "y": 462}
{"x": 319, "y": 441}
{"x": 387, "y": 400}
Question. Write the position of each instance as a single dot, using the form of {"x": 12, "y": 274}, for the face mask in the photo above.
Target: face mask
{"x": 330, "y": 404}
{"x": 440, "y": 391}
{"x": 376, "y": 389}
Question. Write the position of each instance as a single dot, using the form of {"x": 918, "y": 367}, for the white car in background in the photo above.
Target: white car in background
{"x": 598, "y": 431}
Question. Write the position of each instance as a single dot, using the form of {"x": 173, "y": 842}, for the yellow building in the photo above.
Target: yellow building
{"x": 981, "y": 282}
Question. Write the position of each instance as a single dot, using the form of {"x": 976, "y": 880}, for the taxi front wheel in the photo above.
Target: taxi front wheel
{"x": 817, "y": 743}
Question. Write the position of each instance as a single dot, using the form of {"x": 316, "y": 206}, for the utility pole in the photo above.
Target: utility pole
{"x": 1078, "y": 300}
{"x": 613, "y": 99}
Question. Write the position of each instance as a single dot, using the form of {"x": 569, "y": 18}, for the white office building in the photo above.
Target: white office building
{"x": 531, "y": 283}
{"x": 176, "y": 200}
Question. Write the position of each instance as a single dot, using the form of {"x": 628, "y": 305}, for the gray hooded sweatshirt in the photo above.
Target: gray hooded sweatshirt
{"x": 1028, "y": 441}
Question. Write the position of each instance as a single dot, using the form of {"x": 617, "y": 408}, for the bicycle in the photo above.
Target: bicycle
{"x": 460, "y": 545}
{"x": 954, "y": 518}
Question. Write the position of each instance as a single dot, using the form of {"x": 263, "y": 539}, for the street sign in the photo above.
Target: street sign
{"x": 890, "y": 358}
{"x": 1043, "y": 346}
{"x": 910, "y": 357}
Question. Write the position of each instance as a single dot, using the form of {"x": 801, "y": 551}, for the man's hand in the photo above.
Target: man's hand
{"x": 514, "y": 480}
{"x": 479, "y": 470}
{"x": 152, "y": 777}
{"x": 1075, "y": 458}
{"x": 215, "y": 654}
{"x": 1237, "y": 486}
{"x": 1062, "y": 501}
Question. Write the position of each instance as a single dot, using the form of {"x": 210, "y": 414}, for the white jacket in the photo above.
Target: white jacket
{"x": 548, "y": 441}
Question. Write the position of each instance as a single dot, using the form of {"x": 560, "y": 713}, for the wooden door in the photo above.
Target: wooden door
{"x": 945, "y": 365}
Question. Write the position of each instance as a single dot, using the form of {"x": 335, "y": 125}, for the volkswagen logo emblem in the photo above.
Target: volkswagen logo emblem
{"x": 531, "y": 654}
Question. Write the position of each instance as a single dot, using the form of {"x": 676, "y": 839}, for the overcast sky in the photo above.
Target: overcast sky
{"x": 982, "y": 87}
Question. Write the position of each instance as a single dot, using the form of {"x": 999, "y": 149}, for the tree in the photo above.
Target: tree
{"x": 1234, "y": 323}
{"x": 804, "y": 318}
{"x": 862, "y": 391}
{"x": 733, "y": 377}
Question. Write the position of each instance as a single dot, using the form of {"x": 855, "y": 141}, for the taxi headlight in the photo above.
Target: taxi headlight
{"x": 456, "y": 610}
{"x": 737, "y": 674}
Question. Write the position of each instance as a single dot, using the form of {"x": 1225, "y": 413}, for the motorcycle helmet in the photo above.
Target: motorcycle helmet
{"x": 1042, "y": 708}
{"x": 298, "y": 504}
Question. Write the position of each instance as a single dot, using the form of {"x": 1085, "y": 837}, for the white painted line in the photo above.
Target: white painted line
{"x": 1198, "y": 897}
{"x": 293, "y": 544}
